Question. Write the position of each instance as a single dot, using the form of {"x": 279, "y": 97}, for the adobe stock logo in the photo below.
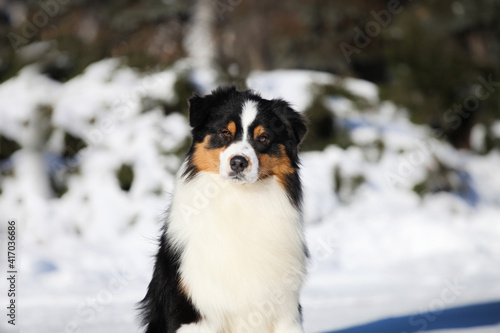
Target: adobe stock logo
{"x": 29, "y": 29}
{"x": 372, "y": 29}
{"x": 448, "y": 295}
{"x": 453, "y": 118}
{"x": 89, "y": 309}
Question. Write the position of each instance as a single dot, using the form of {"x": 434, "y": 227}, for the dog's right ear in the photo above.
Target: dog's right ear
{"x": 198, "y": 110}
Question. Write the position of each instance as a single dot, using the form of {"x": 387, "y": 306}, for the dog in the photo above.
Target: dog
{"x": 232, "y": 254}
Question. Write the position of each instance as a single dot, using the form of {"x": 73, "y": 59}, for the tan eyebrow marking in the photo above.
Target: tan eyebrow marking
{"x": 231, "y": 127}
{"x": 259, "y": 130}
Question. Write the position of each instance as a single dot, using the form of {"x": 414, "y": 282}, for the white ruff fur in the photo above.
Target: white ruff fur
{"x": 242, "y": 254}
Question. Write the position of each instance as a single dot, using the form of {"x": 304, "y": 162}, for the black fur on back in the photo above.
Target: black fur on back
{"x": 165, "y": 307}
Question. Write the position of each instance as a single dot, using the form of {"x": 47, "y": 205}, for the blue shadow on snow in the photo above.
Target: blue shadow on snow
{"x": 476, "y": 315}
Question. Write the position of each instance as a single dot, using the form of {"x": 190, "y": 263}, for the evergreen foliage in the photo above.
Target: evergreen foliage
{"x": 428, "y": 56}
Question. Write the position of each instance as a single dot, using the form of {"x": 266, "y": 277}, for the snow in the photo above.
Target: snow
{"x": 286, "y": 83}
{"x": 495, "y": 128}
{"x": 18, "y": 116}
{"x": 377, "y": 249}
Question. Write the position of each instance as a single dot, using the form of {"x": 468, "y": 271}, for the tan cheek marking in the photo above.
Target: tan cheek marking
{"x": 259, "y": 130}
{"x": 278, "y": 166}
{"x": 231, "y": 127}
{"x": 206, "y": 159}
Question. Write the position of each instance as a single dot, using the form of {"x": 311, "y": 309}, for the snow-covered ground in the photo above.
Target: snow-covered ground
{"x": 378, "y": 250}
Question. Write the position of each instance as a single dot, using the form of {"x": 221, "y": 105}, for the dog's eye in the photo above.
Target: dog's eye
{"x": 264, "y": 139}
{"x": 226, "y": 135}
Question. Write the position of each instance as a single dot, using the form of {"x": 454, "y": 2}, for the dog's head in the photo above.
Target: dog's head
{"x": 243, "y": 137}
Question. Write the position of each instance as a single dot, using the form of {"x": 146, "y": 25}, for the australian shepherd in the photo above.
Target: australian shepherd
{"x": 232, "y": 254}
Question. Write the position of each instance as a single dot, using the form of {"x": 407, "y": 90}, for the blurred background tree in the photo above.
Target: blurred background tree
{"x": 439, "y": 56}
{"x": 429, "y": 56}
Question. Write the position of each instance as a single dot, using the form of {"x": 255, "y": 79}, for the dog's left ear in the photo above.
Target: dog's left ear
{"x": 198, "y": 110}
{"x": 295, "y": 122}
{"x": 298, "y": 124}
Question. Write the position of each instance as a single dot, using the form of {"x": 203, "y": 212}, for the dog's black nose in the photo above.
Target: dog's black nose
{"x": 238, "y": 163}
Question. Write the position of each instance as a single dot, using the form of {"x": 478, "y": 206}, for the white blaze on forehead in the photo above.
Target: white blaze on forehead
{"x": 242, "y": 147}
{"x": 248, "y": 115}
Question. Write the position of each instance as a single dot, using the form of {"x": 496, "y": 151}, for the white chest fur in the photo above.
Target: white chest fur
{"x": 242, "y": 248}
